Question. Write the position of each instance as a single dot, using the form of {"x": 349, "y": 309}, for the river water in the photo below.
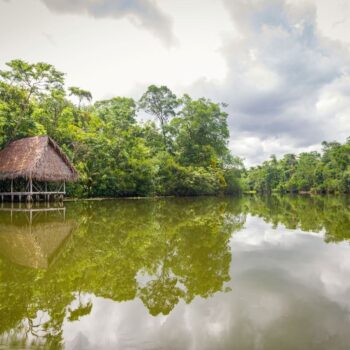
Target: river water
{"x": 179, "y": 273}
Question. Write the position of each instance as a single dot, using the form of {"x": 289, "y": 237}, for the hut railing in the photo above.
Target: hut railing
{"x": 35, "y": 190}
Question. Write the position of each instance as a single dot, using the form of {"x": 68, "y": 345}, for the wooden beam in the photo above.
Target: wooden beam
{"x": 28, "y": 193}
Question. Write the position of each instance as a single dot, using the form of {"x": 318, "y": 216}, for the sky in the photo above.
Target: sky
{"x": 281, "y": 66}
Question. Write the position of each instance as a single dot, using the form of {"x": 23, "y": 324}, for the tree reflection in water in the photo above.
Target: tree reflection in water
{"x": 160, "y": 251}
{"x": 330, "y": 214}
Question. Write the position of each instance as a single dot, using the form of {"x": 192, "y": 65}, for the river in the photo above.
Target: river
{"x": 177, "y": 273}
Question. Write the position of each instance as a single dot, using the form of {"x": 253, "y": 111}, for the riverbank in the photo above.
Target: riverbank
{"x": 249, "y": 193}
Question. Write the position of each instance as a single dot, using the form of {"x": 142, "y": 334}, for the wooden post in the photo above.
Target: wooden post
{"x": 12, "y": 190}
{"x": 30, "y": 189}
{"x": 64, "y": 187}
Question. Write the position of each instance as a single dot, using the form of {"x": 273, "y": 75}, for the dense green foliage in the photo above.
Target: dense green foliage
{"x": 328, "y": 172}
{"x": 182, "y": 152}
{"x": 182, "y": 148}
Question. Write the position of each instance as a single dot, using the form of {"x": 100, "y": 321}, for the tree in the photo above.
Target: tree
{"x": 80, "y": 94}
{"x": 117, "y": 113}
{"x": 160, "y": 102}
{"x": 201, "y": 133}
{"x": 24, "y": 82}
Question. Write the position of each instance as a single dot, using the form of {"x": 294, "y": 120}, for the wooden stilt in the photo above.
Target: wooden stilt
{"x": 30, "y": 185}
{"x": 33, "y": 191}
{"x": 12, "y": 190}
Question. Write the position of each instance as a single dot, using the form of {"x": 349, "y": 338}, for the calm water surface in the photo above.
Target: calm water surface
{"x": 205, "y": 273}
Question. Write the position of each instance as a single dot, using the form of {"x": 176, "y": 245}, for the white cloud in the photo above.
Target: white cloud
{"x": 145, "y": 13}
{"x": 285, "y": 80}
{"x": 114, "y": 57}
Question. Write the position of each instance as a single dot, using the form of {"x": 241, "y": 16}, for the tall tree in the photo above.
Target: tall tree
{"x": 28, "y": 81}
{"x": 160, "y": 102}
{"x": 80, "y": 94}
{"x": 201, "y": 133}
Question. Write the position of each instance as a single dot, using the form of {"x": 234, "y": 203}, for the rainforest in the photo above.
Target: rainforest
{"x": 159, "y": 145}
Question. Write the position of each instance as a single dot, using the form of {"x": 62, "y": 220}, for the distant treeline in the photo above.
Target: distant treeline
{"x": 181, "y": 150}
{"x": 326, "y": 172}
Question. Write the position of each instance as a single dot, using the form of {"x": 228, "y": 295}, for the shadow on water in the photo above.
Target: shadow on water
{"x": 160, "y": 251}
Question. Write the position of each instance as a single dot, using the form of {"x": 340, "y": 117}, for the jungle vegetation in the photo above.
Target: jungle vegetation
{"x": 180, "y": 148}
{"x": 326, "y": 172}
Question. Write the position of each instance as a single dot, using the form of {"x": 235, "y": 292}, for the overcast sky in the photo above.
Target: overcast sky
{"x": 283, "y": 67}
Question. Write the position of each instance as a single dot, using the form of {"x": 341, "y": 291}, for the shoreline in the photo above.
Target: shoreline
{"x": 247, "y": 193}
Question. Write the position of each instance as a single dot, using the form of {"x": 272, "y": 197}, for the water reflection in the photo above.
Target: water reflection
{"x": 60, "y": 270}
{"x": 330, "y": 214}
{"x": 33, "y": 237}
{"x": 158, "y": 251}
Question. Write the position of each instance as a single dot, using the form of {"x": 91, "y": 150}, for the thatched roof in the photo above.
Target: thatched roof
{"x": 37, "y": 157}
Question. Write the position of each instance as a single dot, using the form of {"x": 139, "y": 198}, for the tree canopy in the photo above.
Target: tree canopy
{"x": 326, "y": 172}
{"x": 181, "y": 149}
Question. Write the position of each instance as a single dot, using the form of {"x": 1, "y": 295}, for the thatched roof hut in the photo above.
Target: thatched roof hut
{"x": 38, "y": 158}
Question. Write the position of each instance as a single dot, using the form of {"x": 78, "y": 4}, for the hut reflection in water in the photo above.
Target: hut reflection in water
{"x": 34, "y": 236}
